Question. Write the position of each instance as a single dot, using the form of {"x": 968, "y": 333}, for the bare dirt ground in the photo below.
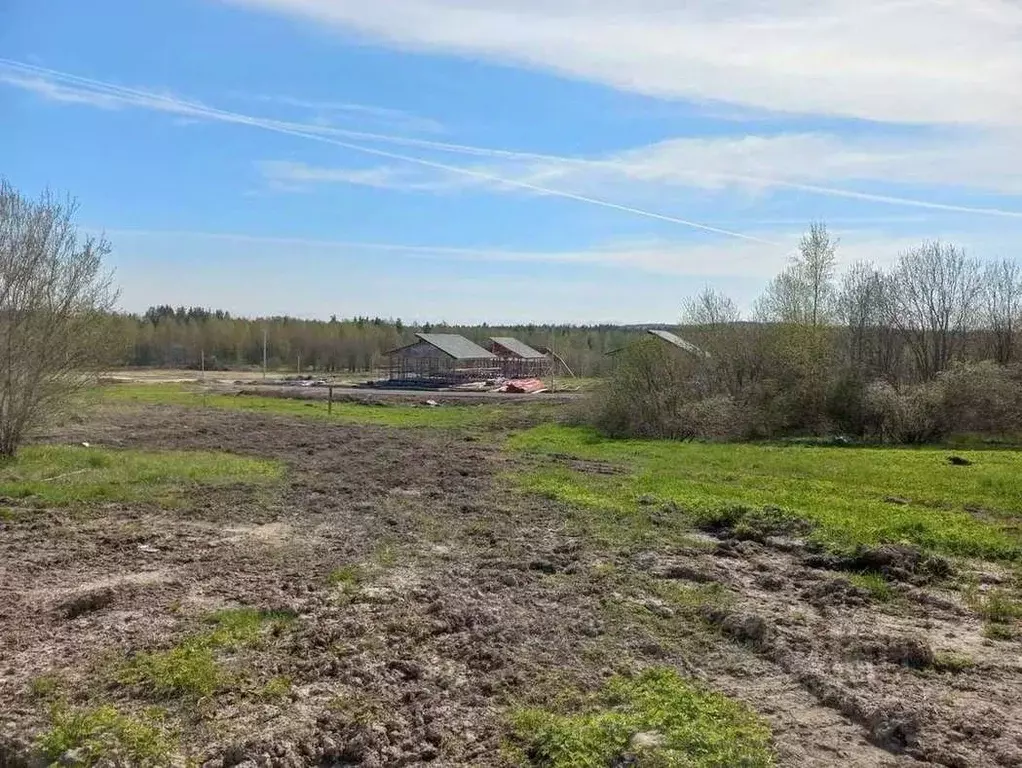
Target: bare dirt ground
{"x": 397, "y": 396}
{"x": 347, "y": 387}
{"x": 472, "y": 599}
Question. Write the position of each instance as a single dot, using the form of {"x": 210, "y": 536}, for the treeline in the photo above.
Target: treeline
{"x": 184, "y": 337}
{"x": 909, "y": 354}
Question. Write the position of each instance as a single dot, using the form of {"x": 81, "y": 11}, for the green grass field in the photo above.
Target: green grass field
{"x": 444, "y": 417}
{"x": 852, "y": 496}
{"x": 65, "y": 474}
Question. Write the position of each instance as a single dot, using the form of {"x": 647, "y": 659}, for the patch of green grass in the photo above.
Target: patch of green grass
{"x": 347, "y": 578}
{"x": 103, "y": 734}
{"x": 385, "y": 555}
{"x": 65, "y": 474}
{"x": 387, "y": 415}
{"x": 683, "y": 725}
{"x": 277, "y": 688}
{"x": 950, "y": 661}
{"x": 44, "y": 686}
{"x": 994, "y": 631}
{"x": 878, "y": 587}
{"x": 996, "y": 605}
{"x": 238, "y": 627}
{"x": 190, "y": 669}
{"x": 843, "y": 493}
{"x": 691, "y": 598}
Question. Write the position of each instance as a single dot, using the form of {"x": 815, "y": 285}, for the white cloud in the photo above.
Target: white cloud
{"x": 914, "y": 61}
{"x": 811, "y": 162}
{"x": 987, "y": 160}
{"x": 134, "y": 97}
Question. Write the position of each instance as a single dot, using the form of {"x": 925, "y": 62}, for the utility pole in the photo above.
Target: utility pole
{"x": 264, "y": 353}
{"x": 553, "y": 366}
{"x": 202, "y": 357}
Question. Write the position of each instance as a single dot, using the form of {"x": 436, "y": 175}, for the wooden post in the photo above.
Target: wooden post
{"x": 330, "y": 399}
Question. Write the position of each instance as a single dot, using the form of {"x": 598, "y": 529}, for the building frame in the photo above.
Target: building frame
{"x": 517, "y": 359}
{"x": 440, "y": 359}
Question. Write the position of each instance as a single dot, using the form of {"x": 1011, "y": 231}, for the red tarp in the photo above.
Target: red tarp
{"x": 524, "y": 386}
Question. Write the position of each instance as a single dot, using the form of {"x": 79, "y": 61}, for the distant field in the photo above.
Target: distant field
{"x": 170, "y": 375}
{"x": 389, "y": 415}
{"x": 852, "y": 495}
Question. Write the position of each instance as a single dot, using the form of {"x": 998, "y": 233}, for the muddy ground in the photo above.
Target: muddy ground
{"x": 471, "y": 599}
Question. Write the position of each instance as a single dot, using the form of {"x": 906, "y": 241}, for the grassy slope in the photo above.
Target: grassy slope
{"x": 445, "y": 417}
{"x": 842, "y": 490}
{"x": 63, "y": 474}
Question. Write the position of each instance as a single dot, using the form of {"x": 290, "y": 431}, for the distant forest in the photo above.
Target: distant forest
{"x": 181, "y": 337}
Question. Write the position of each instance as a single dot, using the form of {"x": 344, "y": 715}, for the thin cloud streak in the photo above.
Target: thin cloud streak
{"x": 328, "y": 110}
{"x": 198, "y": 110}
{"x": 146, "y": 99}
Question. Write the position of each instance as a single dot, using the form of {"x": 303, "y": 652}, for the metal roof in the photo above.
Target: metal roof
{"x": 518, "y": 348}
{"x": 677, "y": 341}
{"x": 456, "y": 346}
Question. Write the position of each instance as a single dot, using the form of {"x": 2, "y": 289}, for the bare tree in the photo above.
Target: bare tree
{"x": 803, "y": 294}
{"x": 816, "y": 265}
{"x": 1002, "y": 288}
{"x": 716, "y": 327}
{"x": 711, "y": 309}
{"x": 938, "y": 289}
{"x": 54, "y": 300}
{"x": 866, "y": 308}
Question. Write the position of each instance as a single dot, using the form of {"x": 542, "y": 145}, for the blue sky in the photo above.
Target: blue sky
{"x": 515, "y": 160}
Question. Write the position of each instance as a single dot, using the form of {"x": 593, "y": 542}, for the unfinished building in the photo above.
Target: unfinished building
{"x": 517, "y": 360}
{"x": 440, "y": 359}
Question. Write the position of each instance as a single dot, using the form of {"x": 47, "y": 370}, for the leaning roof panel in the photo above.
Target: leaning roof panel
{"x": 518, "y": 348}
{"x": 677, "y": 341}
{"x": 456, "y": 346}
